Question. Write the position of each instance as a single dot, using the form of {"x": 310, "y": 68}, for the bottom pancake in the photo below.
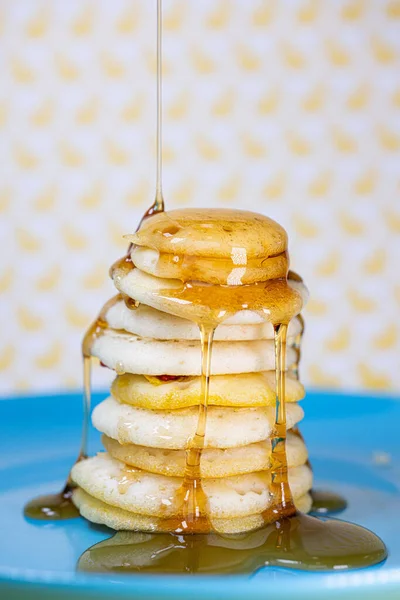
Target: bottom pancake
{"x": 113, "y": 482}
{"x": 119, "y": 519}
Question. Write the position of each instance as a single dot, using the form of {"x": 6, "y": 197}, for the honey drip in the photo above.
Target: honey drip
{"x": 59, "y": 506}
{"x": 190, "y": 498}
{"x": 282, "y": 502}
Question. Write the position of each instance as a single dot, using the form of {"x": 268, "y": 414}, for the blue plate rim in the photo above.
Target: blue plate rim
{"x": 328, "y": 583}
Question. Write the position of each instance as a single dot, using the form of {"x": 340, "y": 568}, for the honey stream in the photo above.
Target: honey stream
{"x": 191, "y": 499}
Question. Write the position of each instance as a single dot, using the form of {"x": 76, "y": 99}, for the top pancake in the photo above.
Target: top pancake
{"x": 220, "y": 233}
{"x": 239, "y": 269}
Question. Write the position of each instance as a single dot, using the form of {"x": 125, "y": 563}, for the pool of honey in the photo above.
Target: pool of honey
{"x": 52, "y": 507}
{"x": 300, "y": 542}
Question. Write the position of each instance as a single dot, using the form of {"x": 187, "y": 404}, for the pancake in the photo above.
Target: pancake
{"x": 208, "y": 232}
{"x": 226, "y": 427}
{"x": 97, "y": 511}
{"x": 214, "y": 462}
{"x": 196, "y": 301}
{"x": 151, "y": 323}
{"x": 243, "y": 389}
{"x": 235, "y": 270}
{"x": 155, "y": 495}
{"x": 128, "y": 353}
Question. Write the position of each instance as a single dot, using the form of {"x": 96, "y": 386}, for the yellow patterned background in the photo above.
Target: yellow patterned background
{"x": 291, "y": 108}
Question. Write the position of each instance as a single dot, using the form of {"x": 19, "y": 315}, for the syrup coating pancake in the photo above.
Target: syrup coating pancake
{"x": 134, "y": 490}
{"x": 128, "y": 353}
{"x": 211, "y": 232}
{"x": 226, "y": 427}
{"x": 235, "y": 270}
{"x": 214, "y": 462}
{"x": 279, "y": 301}
{"x": 243, "y": 389}
{"x": 151, "y": 323}
{"x": 119, "y": 519}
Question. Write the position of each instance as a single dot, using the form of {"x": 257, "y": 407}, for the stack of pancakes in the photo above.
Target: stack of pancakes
{"x": 152, "y": 413}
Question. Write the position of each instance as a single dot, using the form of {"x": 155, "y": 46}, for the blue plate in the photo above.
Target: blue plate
{"x": 346, "y": 436}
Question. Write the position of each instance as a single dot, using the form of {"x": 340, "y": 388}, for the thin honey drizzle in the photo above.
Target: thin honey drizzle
{"x": 282, "y": 502}
{"x": 191, "y": 499}
{"x": 59, "y": 506}
{"x": 158, "y": 205}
